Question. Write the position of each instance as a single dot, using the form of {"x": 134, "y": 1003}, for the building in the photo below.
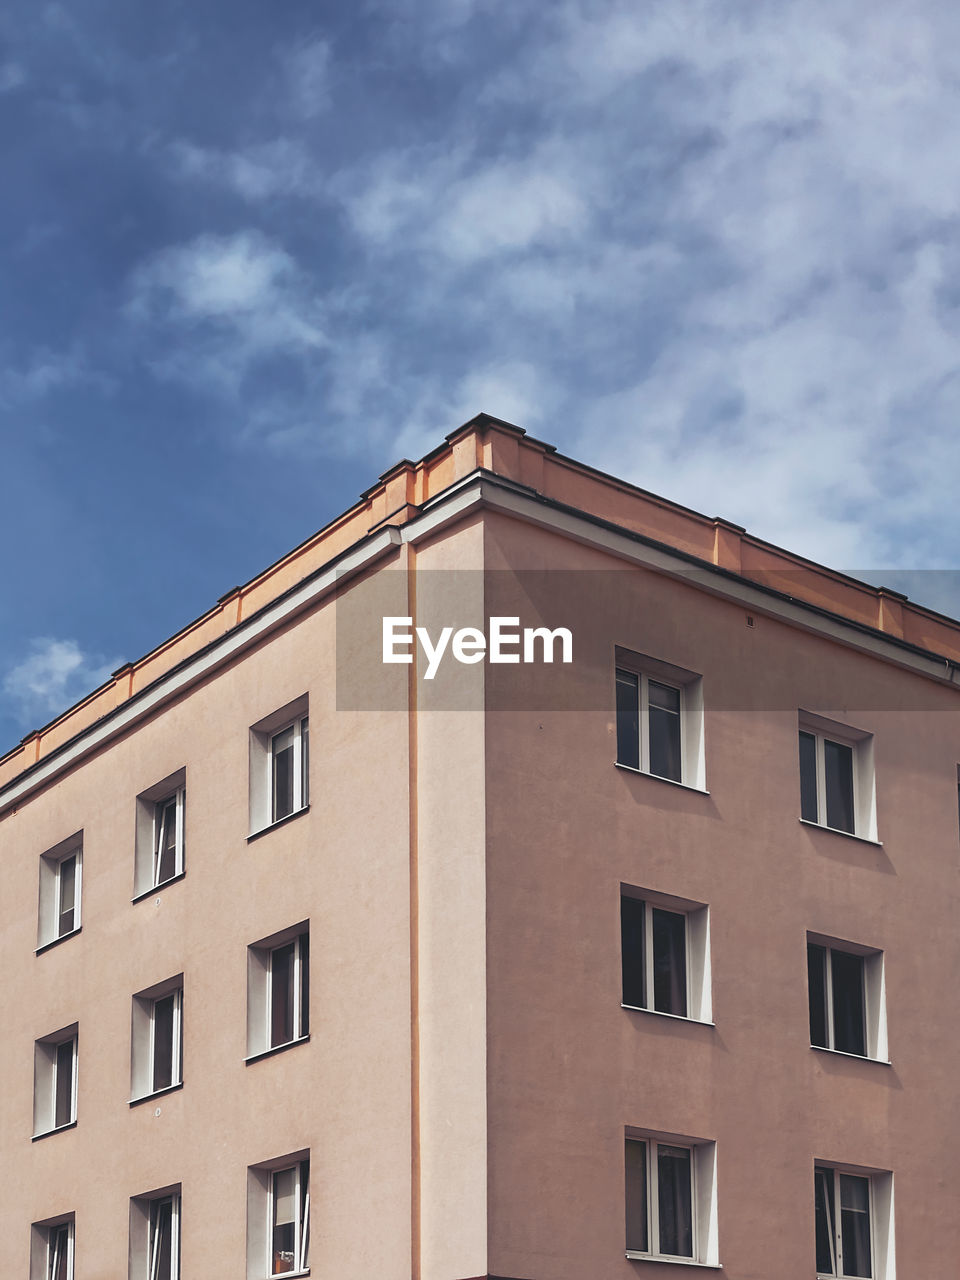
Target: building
{"x": 587, "y": 970}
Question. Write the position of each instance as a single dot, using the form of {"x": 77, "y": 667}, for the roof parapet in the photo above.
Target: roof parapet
{"x": 493, "y": 445}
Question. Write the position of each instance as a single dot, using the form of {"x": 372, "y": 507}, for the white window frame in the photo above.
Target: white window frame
{"x": 689, "y": 685}
{"x": 874, "y": 996}
{"x": 43, "y": 1257}
{"x": 46, "y": 1078}
{"x": 294, "y": 716}
{"x": 260, "y": 990}
{"x": 150, "y": 806}
{"x": 153, "y": 1256}
{"x": 882, "y": 1249}
{"x": 301, "y": 786}
{"x": 301, "y": 1222}
{"x": 51, "y": 868}
{"x": 260, "y": 1215}
{"x": 143, "y": 1257}
{"x": 699, "y": 997}
{"x": 159, "y": 832}
{"x": 864, "y": 779}
{"x": 143, "y": 1039}
{"x": 703, "y": 1197}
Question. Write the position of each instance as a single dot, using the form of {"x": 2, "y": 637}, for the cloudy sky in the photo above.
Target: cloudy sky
{"x": 254, "y": 252}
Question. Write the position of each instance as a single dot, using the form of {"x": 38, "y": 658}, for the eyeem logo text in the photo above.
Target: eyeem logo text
{"x": 506, "y": 643}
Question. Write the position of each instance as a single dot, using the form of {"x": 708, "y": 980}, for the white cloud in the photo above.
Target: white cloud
{"x": 306, "y": 71}
{"x": 218, "y": 275}
{"x": 512, "y": 390}
{"x": 723, "y": 239}
{"x": 464, "y": 210}
{"x": 241, "y": 295}
{"x": 41, "y": 372}
{"x": 51, "y": 678}
{"x": 12, "y": 76}
{"x": 259, "y": 172}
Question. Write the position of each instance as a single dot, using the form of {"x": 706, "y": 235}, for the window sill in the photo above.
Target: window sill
{"x": 835, "y": 831}
{"x": 633, "y": 1256}
{"x": 660, "y": 1013}
{"x": 280, "y": 822}
{"x": 48, "y": 1133}
{"x": 148, "y": 893}
{"x": 277, "y": 1048}
{"x": 671, "y": 782}
{"x": 55, "y": 942}
{"x": 158, "y": 1093}
{"x": 857, "y": 1057}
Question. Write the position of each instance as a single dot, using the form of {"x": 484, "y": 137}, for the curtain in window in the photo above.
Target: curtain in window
{"x": 855, "y": 1225}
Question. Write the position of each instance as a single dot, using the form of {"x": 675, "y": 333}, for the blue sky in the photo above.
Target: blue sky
{"x": 252, "y": 253}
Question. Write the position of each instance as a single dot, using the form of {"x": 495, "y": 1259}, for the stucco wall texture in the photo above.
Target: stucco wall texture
{"x": 470, "y": 1073}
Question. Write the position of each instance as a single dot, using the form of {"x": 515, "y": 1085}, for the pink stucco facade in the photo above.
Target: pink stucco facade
{"x": 471, "y": 1076}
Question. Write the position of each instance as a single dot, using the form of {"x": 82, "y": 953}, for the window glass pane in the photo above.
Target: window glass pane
{"x": 165, "y": 853}
{"x": 161, "y": 1240}
{"x": 848, "y": 1020}
{"x": 281, "y": 994}
{"x": 163, "y": 1037}
{"x": 635, "y": 1159}
{"x": 304, "y": 1027}
{"x": 673, "y": 1193}
{"x": 282, "y": 747}
{"x": 817, "y": 986}
{"x": 64, "y": 1083}
{"x": 59, "y": 1254}
{"x": 628, "y": 719}
{"x": 304, "y": 1260}
{"x": 855, "y": 1224}
{"x": 826, "y": 1228}
{"x": 305, "y": 760}
{"x": 664, "y": 731}
{"x": 808, "y": 777}
{"x": 68, "y": 892}
{"x": 284, "y": 1221}
{"x": 669, "y": 962}
{"x": 632, "y": 912}
{"x": 838, "y": 771}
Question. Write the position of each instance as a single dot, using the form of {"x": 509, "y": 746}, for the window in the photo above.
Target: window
{"x": 278, "y": 990}
{"x": 278, "y": 1217}
{"x": 279, "y": 765}
{"x": 845, "y": 984}
{"x": 665, "y": 954}
{"x": 51, "y": 1249}
{"x": 659, "y": 719}
{"x": 161, "y": 812}
{"x": 60, "y": 870}
{"x": 671, "y": 1209}
{"x": 157, "y": 1039}
{"x": 836, "y": 777}
{"x": 155, "y": 1235}
{"x": 55, "y": 1081}
{"x": 854, "y": 1222}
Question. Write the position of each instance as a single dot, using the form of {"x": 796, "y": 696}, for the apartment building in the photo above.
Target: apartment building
{"x": 609, "y": 937}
